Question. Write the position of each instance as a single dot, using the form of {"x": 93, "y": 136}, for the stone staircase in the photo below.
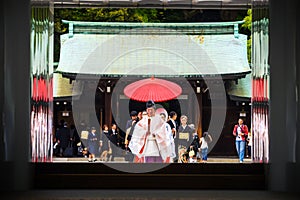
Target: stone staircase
{"x": 217, "y": 173}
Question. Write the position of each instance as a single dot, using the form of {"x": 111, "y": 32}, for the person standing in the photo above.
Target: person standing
{"x": 114, "y": 139}
{"x": 137, "y": 159}
{"x": 93, "y": 144}
{"x": 249, "y": 143}
{"x": 75, "y": 139}
{"x": 184, "y": 136}
{"x": 204, "y": 140}
{"x": 132, "y": 120}
{"x": 240, "y": 132}
{"x": 63, "y": 138}
{"x": 163, "y": 116}
{"x": 104, "y": 144}
{"x": 83, "y": 133}
{"x": 149, "y": 138}
{"x": 130, "y": 125}
{"x": 172, "y": 122}
{"x": 57, "y": 148}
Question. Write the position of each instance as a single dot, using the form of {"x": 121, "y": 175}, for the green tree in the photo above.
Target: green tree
{"x": 247, "y": 29}
{"x": 248, "y": 20}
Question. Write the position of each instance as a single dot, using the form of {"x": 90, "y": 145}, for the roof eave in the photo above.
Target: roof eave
{"x": 227, "y": 76}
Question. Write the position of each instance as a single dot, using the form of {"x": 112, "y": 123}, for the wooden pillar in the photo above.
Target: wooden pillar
{"x": 117, "y": 117}
{"x": 107, "y": 107}
{"x": 199, "y": 116}
{"x": 101, "y": 119}
{"x": 190, "y": 109}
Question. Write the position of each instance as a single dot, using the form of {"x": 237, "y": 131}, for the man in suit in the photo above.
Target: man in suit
{"x": 172, "y": 122}
{"x": 63, "y": 137}
{"x": 115, "y": 141}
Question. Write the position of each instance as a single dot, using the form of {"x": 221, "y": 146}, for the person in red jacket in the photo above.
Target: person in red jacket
{"x": 240, "y": 132}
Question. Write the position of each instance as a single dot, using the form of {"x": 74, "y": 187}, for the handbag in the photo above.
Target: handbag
{"x": 69, "y": 150}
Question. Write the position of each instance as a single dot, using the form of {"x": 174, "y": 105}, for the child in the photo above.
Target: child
{"x": 249, "y": 144}
{"x": 183, "y": 156}
{"x": 204, "y": 140}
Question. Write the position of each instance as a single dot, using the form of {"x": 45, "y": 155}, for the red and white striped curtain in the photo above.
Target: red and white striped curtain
{"x": 260, "y": 86}
{"x": 260, "y": 120}
{"x": 41, "y": 84}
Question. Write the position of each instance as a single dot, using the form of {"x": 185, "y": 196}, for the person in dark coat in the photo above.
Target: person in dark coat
{"x": 104, "y": 144}
{"x": 93, "y": 144}
{"x": 56, "y": 147}
{"x": 114, "y": 138}
{"x": 75, "y": 139}
{"x": 63, "y": 137}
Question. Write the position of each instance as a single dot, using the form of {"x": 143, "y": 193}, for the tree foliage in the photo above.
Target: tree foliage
{"x": 248, "y": 20}
{"x": 247, "y": 27}
{"x": 101, "y": 15}
{"x": 104, "y": 15}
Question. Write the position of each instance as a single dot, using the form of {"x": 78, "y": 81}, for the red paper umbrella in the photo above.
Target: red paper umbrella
{"x": 152, "y": 88}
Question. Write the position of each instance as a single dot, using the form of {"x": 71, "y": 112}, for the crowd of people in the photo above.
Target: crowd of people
{"x": 151, "y": 136}
{"x": 87, "y": 142}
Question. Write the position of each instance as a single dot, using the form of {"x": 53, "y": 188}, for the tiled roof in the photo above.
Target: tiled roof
{"x": 154, "y": 54}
